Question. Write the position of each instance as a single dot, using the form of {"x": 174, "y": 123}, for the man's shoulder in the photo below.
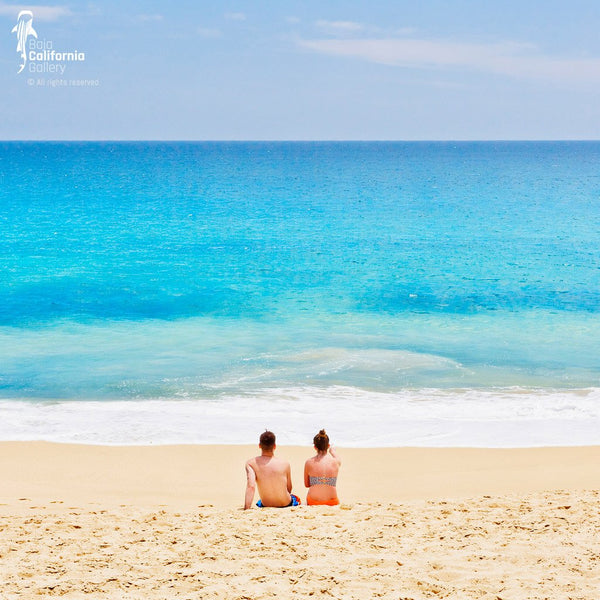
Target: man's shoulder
{"x": 283, "y": 463}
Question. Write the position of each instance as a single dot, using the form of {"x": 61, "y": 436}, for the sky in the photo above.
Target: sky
{"x": 305, "y": 70}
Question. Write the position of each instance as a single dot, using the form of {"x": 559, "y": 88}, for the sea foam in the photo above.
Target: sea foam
{"x": 353, "y": 417}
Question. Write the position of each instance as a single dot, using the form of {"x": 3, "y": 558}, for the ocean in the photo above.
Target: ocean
{"x": 397, "y": 294}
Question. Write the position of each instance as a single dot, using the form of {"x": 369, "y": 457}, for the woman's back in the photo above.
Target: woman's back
{"x": 323, "y": 466}
{"x": 321, "y": 472}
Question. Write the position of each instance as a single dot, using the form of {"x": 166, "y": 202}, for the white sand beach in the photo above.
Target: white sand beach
{"x": 166, "y": 522}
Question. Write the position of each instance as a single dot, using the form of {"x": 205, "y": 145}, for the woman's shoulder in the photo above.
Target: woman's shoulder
{"x": 326, "y": 463}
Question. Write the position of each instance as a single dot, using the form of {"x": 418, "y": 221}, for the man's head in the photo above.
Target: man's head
{"x": 267, "y": 441}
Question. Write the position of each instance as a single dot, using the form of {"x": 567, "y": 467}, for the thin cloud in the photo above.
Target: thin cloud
{"x": 41, "y": 13}
{"x": 150, "y": 17}
{"x": 235, "y": 16}
{"x": 405, "y": 31}
{"x": 209, "y": 33}
{"x": 340, "y": 26}
{"x": 508, "y": 58}
{"x": 93, "y": 10}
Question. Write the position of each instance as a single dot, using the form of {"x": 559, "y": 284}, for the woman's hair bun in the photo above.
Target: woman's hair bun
{"x": 321, "y": 441}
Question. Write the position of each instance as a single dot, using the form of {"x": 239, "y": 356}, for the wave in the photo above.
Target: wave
{"x": 506, "y": 417}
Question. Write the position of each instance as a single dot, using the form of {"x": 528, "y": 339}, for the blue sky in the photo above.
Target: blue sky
{"x": 435, "y": 70}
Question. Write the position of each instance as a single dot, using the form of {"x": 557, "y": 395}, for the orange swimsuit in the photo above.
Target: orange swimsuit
{"x": 333, "y": 502}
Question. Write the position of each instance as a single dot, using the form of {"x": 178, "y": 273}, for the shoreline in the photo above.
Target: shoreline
{"x": 187, "y": 476}
{"x": 424, "y": 418}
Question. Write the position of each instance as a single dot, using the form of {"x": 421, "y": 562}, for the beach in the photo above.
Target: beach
{"x": 433, "y": 305}
{"x": 377, "y": 220}
{"x": 166, "y": 522}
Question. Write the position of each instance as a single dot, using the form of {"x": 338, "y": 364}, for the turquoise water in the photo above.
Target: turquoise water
{"x": 353, "y": 284}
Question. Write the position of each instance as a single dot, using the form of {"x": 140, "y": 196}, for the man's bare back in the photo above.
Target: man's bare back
{"x": 271, "y": 475}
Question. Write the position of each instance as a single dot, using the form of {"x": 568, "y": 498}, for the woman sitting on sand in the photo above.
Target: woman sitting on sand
{"x": 321, "y": 471}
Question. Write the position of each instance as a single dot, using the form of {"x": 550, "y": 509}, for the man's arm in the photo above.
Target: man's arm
{"x": 250, "y": 486}
{"x": 289, "y": 478}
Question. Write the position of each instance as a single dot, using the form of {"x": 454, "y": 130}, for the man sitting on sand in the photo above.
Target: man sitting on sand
{"x": 272, "y": 476}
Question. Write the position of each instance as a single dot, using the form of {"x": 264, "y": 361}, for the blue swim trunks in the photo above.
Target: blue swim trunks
{"x": 295, "y": 501}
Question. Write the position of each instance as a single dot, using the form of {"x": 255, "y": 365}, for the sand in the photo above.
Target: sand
{"x": 165, "y": 522}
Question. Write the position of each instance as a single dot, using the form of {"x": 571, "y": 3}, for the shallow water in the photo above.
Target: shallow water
{"x": 397, "y": 293}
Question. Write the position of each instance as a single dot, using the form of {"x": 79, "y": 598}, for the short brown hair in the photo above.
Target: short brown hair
{"x": 267, "y": 440}
{"x": 321, "y": 441}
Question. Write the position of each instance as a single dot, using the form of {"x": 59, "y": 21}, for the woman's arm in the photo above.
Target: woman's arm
{"x": 335, "y": 456}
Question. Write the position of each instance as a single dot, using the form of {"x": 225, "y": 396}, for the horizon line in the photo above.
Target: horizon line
{"x": 298, "y": 141}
